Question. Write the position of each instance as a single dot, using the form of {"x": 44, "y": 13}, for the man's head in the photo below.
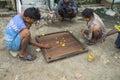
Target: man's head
{"x": 31, "y": 15}
{"x": 87, "y": 14}
{"x": 66, "y": 1}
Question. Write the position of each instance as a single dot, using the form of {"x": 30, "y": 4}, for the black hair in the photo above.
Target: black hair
{"x": 87, "y": 13}
{"x": 33, "y": 13}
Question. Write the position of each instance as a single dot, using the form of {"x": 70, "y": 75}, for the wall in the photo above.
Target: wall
{"x": 33, "y": 3}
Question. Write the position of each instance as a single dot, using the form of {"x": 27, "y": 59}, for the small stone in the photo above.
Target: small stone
{"x": 115, "y": 57}
{"x": 38, "y": 49}
{"x": 107, "y": 61}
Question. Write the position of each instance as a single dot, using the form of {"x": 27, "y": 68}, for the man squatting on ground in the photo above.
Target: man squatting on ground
{"x": 18, "y": 36}
{"x": 96, "y": 27}
{"x": 66, "y": 9}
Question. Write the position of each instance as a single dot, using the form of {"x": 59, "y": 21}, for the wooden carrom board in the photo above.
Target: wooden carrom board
{"x": 63, "y": 44}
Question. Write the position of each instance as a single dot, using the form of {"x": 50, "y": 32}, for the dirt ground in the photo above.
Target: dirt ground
{"x": 106, "y": 65}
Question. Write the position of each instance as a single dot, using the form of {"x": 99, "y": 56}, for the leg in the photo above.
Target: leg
{"x": 85, "y": 34}
{"x": 18, "y": 44}
{"x": 97, "y": 33}
{"x": 25, "y": 34}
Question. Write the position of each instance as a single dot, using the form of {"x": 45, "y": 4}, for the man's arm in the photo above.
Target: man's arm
{"x": 116, "y": 29}
{"x": 111, "y": 32}
{"x": 40, "y": 45}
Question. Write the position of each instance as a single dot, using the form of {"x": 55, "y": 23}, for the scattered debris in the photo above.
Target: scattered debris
{"x": 110, "y": 12}
{"x": 106, "y": 61}
{"x": 116, "y": 57}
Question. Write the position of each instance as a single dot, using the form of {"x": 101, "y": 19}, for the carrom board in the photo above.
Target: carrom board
{"x": 63, "y": 44}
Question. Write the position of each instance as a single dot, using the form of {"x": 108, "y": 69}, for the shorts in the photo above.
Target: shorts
{"x": 14, "y": 45}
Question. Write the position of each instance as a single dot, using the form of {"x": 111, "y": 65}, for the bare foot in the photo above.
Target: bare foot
{"x": 28, "y": 57}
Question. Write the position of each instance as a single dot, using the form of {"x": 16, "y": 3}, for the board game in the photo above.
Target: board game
{"x": 63, "y": 44}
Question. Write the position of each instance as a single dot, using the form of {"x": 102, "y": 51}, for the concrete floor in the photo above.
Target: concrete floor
{"x": 106, "y": 65}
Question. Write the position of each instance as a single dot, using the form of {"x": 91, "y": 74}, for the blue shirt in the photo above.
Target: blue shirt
{"x": 62, "y": 4}
{"x": 15, "y": 25}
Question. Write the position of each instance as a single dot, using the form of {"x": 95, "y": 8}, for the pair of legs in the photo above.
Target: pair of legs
{"x": 26, "y": 37}
{"x": 20, "y": 43}
{"x": 96, "y": 35}
{"x": 64, "y": 13}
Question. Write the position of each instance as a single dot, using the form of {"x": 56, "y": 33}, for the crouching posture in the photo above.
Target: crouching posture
{"x": 96, "y": 27}
{"x": 18, "y": 36}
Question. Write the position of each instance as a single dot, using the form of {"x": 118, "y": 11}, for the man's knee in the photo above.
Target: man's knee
{"x": 25, "y": 33}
